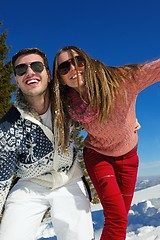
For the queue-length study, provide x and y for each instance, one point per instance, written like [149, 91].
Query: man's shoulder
[10, 117]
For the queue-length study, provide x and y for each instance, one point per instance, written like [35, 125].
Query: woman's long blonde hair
[103, 83]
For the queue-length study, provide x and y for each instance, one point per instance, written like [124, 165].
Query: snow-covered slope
[146, 194]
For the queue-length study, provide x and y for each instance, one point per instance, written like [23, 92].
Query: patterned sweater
[28, 149]
[117, 136]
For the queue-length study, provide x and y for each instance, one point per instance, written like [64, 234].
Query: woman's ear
[63, 83]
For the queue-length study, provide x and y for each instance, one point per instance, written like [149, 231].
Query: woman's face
[67, 70]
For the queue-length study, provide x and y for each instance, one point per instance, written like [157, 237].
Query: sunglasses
[65, 67]
[21, 69]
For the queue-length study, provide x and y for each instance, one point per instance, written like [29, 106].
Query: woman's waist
[111, 148]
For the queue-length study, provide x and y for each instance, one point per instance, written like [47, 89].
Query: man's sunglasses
[21, 69]
[64, 67]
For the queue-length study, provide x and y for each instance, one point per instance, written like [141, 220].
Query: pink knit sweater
[117, 136]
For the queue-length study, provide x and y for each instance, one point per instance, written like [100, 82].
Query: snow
[145, 194]
[144, 217]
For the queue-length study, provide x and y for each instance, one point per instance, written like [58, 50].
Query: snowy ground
[144, 218]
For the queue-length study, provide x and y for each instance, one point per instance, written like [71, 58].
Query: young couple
[100, 97]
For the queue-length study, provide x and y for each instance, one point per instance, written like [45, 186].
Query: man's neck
[39, 103]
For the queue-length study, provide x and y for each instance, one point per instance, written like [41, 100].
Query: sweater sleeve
[7, 166]
[148, 75]
[4, 190]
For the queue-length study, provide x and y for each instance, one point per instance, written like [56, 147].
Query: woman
[103, 98]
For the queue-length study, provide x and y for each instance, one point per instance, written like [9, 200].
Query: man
[47, 178]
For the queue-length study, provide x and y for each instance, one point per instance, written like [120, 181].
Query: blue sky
[115, 32]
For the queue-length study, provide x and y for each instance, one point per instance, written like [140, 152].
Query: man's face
[32, 82]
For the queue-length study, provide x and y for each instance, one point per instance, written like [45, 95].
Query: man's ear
[49, 75]
[16, 81]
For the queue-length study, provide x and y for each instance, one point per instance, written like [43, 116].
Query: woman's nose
[72, 65]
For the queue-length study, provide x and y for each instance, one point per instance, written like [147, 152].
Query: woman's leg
[24, 210]
[126, 174]
[71, 213]
[102, 174]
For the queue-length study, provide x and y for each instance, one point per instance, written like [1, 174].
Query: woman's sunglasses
[21, 69]
[64, 67]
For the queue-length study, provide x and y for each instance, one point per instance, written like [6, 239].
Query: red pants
[114, 179]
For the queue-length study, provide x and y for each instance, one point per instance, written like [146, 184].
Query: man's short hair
[27, 51]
